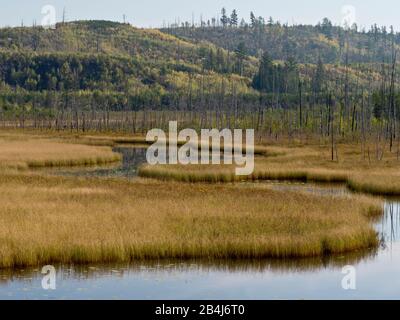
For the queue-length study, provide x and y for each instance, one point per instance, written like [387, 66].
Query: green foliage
[275, 78]
[305, 43]
[96, 63]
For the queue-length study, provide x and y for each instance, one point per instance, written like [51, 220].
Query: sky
[155, 13]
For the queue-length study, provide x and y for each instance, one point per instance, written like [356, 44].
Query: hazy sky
[153, 13]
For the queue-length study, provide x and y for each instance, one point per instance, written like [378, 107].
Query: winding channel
[377, 271]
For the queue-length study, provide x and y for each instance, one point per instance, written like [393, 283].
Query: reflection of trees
[388, 227]
[390, 224]
[173, 267]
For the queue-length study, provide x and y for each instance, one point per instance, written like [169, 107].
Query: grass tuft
[305, 164]
[70, 220]
[34, 153]
[50, 219]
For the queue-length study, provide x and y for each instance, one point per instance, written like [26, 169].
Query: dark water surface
[132, 158]
[377, 271]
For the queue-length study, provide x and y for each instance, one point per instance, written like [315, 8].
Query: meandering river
[377, 271]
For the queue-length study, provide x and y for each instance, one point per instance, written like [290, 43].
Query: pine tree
[253, 20]
[234, 19]
[241, 54]
[224, 18]
[264, 79]
[291, 75]
[326, 28]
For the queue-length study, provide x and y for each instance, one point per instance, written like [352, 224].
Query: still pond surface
[377, 271]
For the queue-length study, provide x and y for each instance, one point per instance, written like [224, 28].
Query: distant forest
[291, 78]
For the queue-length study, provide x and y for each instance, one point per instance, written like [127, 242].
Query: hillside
[365, 55]
[129, 67]
[304, 43]
[107, 66]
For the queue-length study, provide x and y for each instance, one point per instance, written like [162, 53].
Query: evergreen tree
[234, 19]
[264, 79]
[326, 28]
[291, 75]
[241, 55]
[224, 18]
[253, 20]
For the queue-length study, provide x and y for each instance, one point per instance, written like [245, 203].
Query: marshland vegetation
[307, 163]
[324, 115]
[70, 220]
[53, 219]
[25, 152]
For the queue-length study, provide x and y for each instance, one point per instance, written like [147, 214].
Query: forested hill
[304, 43]
[103, 65]
[105, 55]
[113, 58]
[116, 39]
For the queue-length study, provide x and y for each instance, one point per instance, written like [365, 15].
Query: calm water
[132, 158]
[377, 271]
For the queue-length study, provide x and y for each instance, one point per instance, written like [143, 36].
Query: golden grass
[305, 163]
[72, 220]
[22, 153]
[47, 219]
[376, 183]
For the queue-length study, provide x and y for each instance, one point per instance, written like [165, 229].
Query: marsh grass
[72, 220]
[33, 153]
[48, 219]
[306, 164]
[375, 183]
[225, 173]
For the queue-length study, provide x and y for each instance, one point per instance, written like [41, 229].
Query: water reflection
[173, 267]
[132, 159]
[315, 278]
[164, 280]
[389, 226]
